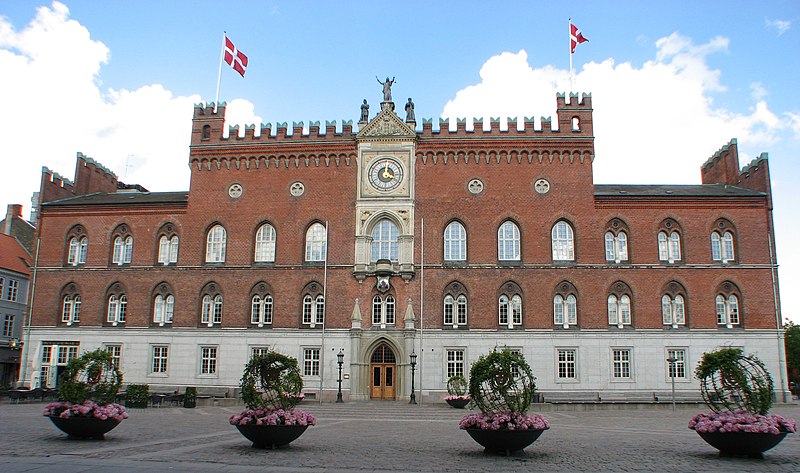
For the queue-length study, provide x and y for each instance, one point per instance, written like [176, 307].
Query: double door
[383, 370]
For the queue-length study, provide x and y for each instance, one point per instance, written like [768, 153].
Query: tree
[792, 343]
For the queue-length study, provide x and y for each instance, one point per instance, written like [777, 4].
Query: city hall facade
[387, 241]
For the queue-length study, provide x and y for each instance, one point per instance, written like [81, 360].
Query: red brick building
[387, 241]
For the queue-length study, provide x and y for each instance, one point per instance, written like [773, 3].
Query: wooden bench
[570, 397]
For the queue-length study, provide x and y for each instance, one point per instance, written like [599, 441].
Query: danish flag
[235, 58]
[575, 36]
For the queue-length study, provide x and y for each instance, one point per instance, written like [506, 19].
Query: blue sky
[672, 81]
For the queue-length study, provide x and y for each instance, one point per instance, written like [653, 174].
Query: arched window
[123, 249]
[316, 243]
[455, 305]
[313, 310]
[211, 306]
[77, 250]
[727, 305]
[510, 306]
[563, 242]
[616, 247]
[565, 305]
[385, 237]
[508, 242]
[163, 309]
[673, 305]
[619, 305]
[206, 132]
[383, 310]
[168, 249]
[265, 244]
[455, 242]
[722, 246]
[117, 304]
[216, 243]
[261, 310]
[669, 241]
[71, 309]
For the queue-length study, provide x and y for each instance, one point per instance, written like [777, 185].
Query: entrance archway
[383, 370]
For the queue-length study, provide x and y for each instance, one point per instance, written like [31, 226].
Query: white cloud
[638, 111]
[53, 67]
[782, 26]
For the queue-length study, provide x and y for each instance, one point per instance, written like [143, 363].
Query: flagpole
[219, 73]
[324, 314]
[569, 46]
[421, 303]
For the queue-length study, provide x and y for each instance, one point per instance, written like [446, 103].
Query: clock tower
[384, 209]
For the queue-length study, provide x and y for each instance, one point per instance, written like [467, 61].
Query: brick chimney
[14, 211]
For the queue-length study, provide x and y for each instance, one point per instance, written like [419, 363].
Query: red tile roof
[13, 257]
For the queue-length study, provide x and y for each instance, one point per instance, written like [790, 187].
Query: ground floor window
[566, 364]
[208, 360]
[116, 353]
[621, 363]
[311, 362]
[159, 359]
[676, 363]
[258, 351]
[455, 363]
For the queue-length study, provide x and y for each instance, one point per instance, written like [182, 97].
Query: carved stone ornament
[387, 123]
[297, 189]
[235, 191]
[541, 186]
[383, 284]
[475, 186]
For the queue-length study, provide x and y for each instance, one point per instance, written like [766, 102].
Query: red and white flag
[235, 58]
[575, 37]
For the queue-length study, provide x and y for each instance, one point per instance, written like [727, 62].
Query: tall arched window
[261, 310]
[216, 243]
[211, 305]
[455, 305]
[616, 247]
[508, 248]
[265, 244]
[455, 242]
[563, 242]
[385, 237]
[316, 243]
[313, 310]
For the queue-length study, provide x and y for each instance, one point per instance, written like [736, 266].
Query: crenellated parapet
[723, 168]
[90, 177]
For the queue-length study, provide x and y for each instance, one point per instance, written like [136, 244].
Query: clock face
[385, 174]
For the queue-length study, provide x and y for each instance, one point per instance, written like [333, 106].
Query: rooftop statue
[387, 88]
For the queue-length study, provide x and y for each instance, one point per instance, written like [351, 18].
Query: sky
[671, 82]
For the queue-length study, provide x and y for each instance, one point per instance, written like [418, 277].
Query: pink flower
[741, 421]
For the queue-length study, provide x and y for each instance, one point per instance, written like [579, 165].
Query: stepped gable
[387, 125]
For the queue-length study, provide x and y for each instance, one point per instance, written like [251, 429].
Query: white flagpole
[569, 45]
[324, 314]
[421, 302]
[219, 73]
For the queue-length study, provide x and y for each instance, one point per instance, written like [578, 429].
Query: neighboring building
[15, 263]
[390, 241]
[19, 228]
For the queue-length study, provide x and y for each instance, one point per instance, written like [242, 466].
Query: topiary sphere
[501, 381]
[92, 376]
[457, 385]
[730, 381]
[271, 381]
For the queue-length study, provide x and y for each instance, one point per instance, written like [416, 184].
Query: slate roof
[122, 198]
[696, 190]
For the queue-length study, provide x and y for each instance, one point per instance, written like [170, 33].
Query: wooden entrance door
[383, 368]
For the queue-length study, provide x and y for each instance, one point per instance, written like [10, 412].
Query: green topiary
[92, 376]
[271, 381]
[501, 381]
[137, 395]
[729, 380]
[190, 397]
[457, 385]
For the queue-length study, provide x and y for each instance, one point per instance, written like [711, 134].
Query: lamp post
[340, 362]
[671, 360]
[413, 368]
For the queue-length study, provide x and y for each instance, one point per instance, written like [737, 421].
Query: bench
[570, 397]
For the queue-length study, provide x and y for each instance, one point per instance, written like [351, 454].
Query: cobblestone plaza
[378, 436]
